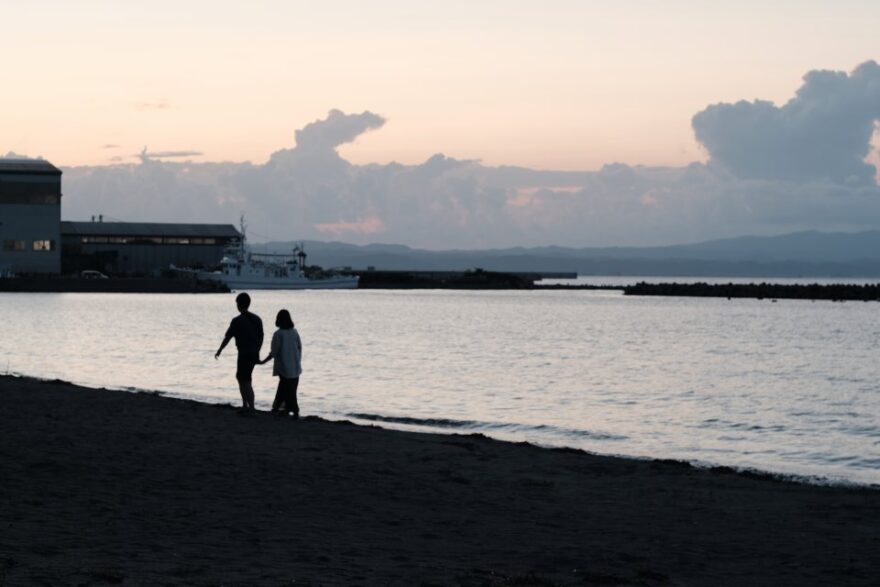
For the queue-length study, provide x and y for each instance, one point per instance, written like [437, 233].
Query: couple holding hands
[286, 350]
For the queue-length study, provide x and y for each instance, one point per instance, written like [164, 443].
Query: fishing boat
[241, 268]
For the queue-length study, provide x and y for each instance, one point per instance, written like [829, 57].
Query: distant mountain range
[801, 254]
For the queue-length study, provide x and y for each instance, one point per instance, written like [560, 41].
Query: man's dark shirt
[247, 330]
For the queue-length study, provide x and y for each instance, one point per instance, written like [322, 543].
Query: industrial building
[34, 240]
[140, 248]
[30, 217]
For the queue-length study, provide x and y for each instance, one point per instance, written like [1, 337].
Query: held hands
[263, 362]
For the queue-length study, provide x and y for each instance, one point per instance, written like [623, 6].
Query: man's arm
[225, 342]
[274, 348]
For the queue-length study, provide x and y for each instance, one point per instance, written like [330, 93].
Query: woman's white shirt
[287, 351]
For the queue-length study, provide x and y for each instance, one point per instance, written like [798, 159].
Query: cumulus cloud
[772, 170]
[335, 130]
[823, 133]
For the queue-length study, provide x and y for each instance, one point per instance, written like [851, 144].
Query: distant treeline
[815, 291]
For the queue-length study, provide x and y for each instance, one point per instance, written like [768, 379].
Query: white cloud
[772, 170]
[335, 130]
[824, 132]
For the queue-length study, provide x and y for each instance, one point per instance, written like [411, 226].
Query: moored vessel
[241, 268]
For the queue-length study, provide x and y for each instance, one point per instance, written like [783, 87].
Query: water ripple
[485, 426]
[735, 382]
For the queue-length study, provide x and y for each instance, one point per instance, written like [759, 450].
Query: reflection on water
[790, 387]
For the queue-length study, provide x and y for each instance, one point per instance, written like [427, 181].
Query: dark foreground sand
[102, 487]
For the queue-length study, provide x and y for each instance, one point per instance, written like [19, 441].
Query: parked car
[92, 274]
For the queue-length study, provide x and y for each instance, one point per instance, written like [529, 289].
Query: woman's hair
[283, 320]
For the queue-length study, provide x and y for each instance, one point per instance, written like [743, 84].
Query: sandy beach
[105, 487]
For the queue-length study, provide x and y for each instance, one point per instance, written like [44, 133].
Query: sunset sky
[454, 124]
[558, 84]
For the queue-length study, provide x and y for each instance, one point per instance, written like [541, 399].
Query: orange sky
[559, 84]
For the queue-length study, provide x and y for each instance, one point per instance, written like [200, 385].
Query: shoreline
[106, 487]
[134, 285]
[378, 422]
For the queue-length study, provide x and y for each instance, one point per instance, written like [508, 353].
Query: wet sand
[104, 487]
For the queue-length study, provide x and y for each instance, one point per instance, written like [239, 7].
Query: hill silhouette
[800, 254]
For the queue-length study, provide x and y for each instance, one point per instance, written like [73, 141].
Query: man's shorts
[245, 368]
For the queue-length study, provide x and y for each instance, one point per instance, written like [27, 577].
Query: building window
[14, 245]
[36, 199]
[147, 240]
[44, 245]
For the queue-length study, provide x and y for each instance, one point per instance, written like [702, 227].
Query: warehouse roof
[32, 166]
[148, 229]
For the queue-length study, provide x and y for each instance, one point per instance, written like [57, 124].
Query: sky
[569, 92]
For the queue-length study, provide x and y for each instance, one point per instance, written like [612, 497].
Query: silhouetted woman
[286, 349]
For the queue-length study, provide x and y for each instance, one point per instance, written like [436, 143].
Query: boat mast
[301, 255]
[243, 234]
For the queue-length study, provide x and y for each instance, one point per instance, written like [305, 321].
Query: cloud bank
[771, 170]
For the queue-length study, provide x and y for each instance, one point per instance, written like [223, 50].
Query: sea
[789, 387]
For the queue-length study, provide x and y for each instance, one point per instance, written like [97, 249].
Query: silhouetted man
[247, 330]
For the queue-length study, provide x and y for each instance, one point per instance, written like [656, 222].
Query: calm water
[789, 387]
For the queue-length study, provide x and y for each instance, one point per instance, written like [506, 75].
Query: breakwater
[474, 279]
[833, 292]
